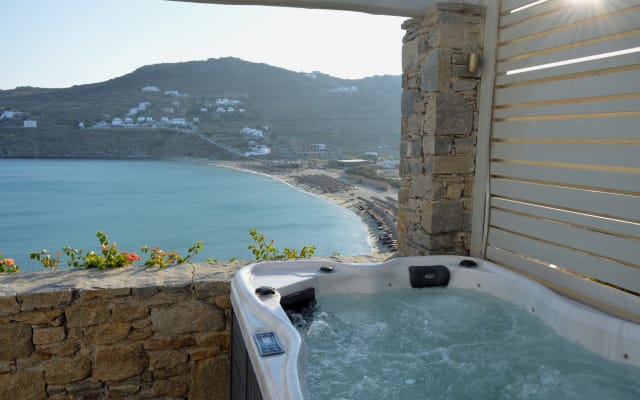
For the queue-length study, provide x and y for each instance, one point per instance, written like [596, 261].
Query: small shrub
[110, 256]
[46, 259]
[162, 258]
[264, 250]
[8, 265]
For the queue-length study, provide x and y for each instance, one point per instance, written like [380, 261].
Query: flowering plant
[8, 264]
[108, 257]
[162, 258]
[46, 259]
[264, 250]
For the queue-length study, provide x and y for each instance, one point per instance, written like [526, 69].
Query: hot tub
[269, 355]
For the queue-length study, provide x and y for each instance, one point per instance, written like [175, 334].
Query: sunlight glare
[575, 60]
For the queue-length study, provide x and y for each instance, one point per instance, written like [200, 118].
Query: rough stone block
[221, 340]
[8, 306]
[411, 81]
[38, 317]
[67, 347]
[208, 289]
[172, 342]
[439, 191]
[136, 335]
[408, 98]
[201, 353]
[466, 221]
[15, 341]
[144, 292]
[458, 58]
[164, 373]
[421, 186]
[104, 293]
[173, 387]
[62, 370]
[141, 330]
[48, 335]
[403, 194]
[409, 56]
[27, 363]
[411, 166]
[29, 385]
[434, 73]
[419, 106]
[166, 359]
[107, 333]
[189, 316]
[126, 312]
[168, 296]
[414, 126]
[87, 314]
[462, 85]
[86, 385]
[410, 148]
[210, 379]
[453, 115]
[454, 191]
[126, 388]
[436, 145]
[30, 301]
[461, 71]
[451, 34]
[118, 362]
[465, 145]
[442, 216]
[223, 301]
[459, 164]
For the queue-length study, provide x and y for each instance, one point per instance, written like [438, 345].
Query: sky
[60, 43]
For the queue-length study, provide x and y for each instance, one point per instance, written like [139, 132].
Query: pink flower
[133, 257]
[9, 262]
[104, 247]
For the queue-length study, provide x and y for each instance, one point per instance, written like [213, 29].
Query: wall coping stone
[68, 280]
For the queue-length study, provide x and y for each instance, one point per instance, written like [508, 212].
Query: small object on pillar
[473, 62]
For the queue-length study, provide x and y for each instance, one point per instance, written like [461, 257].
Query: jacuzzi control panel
[268, 344]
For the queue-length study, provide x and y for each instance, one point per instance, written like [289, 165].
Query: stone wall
[439, 127]
[135, 333]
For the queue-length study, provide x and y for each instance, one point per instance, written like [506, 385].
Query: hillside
[211, 100]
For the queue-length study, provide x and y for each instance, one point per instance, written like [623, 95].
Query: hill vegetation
[199, 108]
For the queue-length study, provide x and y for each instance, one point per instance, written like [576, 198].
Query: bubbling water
[448, 344]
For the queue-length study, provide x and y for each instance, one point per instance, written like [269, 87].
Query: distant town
[160, 109]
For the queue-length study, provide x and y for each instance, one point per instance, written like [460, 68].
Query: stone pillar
[438, 129]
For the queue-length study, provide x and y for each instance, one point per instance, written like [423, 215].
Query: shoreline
[358, 199]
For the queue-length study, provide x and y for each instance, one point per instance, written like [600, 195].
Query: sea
[51, 203]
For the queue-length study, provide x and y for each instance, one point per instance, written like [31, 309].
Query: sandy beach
[377, 208]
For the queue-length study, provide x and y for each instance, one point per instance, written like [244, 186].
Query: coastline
[358, 199]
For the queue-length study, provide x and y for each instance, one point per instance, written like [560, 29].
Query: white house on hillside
[254, 133]
[30, 123]
[150, 89]
[10, 114]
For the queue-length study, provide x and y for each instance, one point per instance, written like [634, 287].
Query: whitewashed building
[260, 150]
[30, 123]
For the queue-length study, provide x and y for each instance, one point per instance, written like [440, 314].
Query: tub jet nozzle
[265, 291]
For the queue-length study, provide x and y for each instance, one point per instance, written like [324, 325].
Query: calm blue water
[53, 203]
